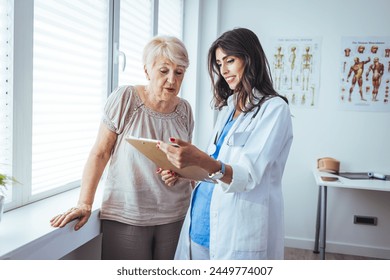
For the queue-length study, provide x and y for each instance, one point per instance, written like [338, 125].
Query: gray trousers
[126, 242]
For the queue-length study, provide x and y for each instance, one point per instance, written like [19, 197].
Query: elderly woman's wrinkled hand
[169, 177]
[82, 212]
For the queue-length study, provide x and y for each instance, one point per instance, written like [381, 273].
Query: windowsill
[26, 233]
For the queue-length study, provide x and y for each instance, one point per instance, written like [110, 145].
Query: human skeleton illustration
[307, 60]
[278, 66]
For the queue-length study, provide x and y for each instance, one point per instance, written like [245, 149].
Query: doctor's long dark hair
[242, 43]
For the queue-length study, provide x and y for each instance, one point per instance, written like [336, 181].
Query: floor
[301, 254]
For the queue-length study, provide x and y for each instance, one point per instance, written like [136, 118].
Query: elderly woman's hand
[81, 212]
[169, 177]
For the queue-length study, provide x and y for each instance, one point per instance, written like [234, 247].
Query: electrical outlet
[365, 220]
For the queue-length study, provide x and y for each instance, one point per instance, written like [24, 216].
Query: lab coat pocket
[251, 230]
[239, 138]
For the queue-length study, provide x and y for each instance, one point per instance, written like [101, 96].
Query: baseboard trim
[340, 248]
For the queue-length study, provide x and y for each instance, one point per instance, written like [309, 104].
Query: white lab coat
[246, 216]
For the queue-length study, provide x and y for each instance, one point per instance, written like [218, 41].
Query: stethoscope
[212, 148]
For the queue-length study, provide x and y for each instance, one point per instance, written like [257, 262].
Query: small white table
[341, 182]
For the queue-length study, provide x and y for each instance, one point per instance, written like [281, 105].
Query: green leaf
[4, 180]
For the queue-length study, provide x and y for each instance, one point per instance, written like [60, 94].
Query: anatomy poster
[365, 73]
[295, 67]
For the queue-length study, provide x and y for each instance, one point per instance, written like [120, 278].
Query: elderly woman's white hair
[169, 47]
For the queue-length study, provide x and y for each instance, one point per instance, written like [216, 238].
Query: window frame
[23, 29]
[7, 96]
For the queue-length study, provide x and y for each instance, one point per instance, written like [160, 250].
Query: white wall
[360, 140]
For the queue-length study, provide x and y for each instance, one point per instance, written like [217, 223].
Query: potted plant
[4, 181]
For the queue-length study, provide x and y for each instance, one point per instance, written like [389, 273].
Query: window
[69, 87]
[139, 21]
[135, 30]
[6, 88]
[66, 56]
[170, 18]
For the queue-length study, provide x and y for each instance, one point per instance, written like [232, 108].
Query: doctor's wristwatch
[219, 174]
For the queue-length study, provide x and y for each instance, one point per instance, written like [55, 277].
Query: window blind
[170, 18]
[135, 30]
[70, 71]
[6, 20]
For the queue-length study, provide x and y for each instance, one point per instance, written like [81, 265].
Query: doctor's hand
[181, 153]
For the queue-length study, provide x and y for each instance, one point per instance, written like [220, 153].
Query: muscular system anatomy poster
[365, 73]
[295, 67]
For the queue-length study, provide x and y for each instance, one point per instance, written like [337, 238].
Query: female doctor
[239, 215]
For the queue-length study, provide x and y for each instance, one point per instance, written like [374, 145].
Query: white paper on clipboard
[148, 148]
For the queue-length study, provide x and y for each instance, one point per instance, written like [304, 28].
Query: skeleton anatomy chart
[295, 67]
[365, 73]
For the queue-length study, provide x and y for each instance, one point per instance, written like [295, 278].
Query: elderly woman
[141, 216]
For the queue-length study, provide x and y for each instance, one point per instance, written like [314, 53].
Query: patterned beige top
[134, 194]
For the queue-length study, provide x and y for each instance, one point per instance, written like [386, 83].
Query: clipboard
[148, 148]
